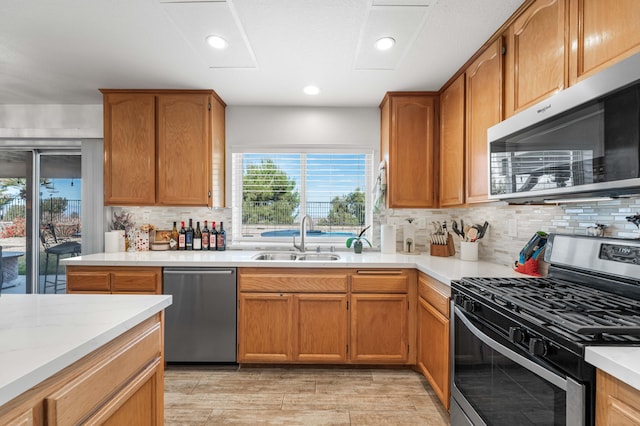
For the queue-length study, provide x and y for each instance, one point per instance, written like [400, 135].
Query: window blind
[273, 191]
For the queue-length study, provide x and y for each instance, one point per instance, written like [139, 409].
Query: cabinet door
[536, 56]
[264, 327]
[140, 402]
[617, 404]
[320, 328]
[184, 149]
[452, 159]
[218, 133]
[410, 158]
[129, 149]
[379, 331]
[136, 280]
[433, 349]
[603, 32]
[484, 109]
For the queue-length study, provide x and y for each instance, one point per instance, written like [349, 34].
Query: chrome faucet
[303, 231]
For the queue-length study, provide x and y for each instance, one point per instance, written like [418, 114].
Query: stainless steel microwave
[583, 141]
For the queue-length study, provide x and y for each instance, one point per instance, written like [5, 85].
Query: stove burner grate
[569, 306]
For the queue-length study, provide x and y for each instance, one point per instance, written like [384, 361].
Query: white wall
[286, 126]
[51, 121]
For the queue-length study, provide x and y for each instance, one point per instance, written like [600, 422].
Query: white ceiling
[62, 51]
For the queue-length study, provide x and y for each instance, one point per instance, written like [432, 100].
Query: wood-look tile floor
[299, 396]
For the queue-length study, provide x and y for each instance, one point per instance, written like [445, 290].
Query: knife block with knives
[442, 249]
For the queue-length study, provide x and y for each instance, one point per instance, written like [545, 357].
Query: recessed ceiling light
[217, 42]
[311, 90]
[385, 43]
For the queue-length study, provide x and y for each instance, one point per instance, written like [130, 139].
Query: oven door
[496, 383]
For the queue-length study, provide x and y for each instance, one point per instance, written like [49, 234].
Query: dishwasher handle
[194, 271]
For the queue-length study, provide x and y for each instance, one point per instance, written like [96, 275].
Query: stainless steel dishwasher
[200, 325]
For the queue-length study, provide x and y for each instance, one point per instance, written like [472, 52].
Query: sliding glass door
[39, 223]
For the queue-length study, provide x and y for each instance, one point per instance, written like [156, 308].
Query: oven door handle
[558, 381]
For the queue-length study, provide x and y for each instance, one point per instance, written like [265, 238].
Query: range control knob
[517, 334]
[537, 347]
[468, 305]
[458, 299]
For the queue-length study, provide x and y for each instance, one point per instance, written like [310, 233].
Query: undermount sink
[318, 256]
[286, 256]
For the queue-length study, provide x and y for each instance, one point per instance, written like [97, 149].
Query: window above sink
[272, 191]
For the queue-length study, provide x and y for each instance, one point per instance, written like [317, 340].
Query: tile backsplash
[500, 244]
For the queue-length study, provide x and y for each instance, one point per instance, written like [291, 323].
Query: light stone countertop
[616, 361]
[621, 363]
[41, 335]
[444, 269]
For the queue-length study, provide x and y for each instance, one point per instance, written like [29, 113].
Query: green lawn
[22, 264]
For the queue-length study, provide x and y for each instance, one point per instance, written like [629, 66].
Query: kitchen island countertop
[41, 335]
[444, 269]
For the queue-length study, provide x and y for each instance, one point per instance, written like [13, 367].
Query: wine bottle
[213, 241]
[205, 236]
[189, 236]
[173, 239]
[182, 239]
[222, 238]
[197, 238]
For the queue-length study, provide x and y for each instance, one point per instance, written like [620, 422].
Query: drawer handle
[376, 272]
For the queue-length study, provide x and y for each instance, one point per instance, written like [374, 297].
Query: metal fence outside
[52, 210]
[261, 217]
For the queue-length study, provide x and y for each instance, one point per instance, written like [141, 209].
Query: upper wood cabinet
[484, 109]
[603, 32]
[158, 147]
[452, 158]
[407, 126]
[536, 55]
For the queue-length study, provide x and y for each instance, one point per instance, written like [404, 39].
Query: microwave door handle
[517, 358]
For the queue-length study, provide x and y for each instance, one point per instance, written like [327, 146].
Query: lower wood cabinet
[617, 404]
[114, 279]
[379, 328]
[121, 383]
[290, 316]
[315, 316]
[319, 332]
[382, 316]
[433, 335]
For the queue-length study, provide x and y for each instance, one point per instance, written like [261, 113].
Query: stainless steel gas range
[518, 343]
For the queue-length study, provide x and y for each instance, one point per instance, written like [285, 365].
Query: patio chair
[54, 246]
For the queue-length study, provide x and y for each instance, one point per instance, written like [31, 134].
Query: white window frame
[311, 242]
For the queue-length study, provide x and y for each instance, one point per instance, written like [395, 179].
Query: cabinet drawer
[138, 280]
[371, 281]
[23, 419]
[435, 293]
[283, 281]
[88, 392]
[87, 279]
